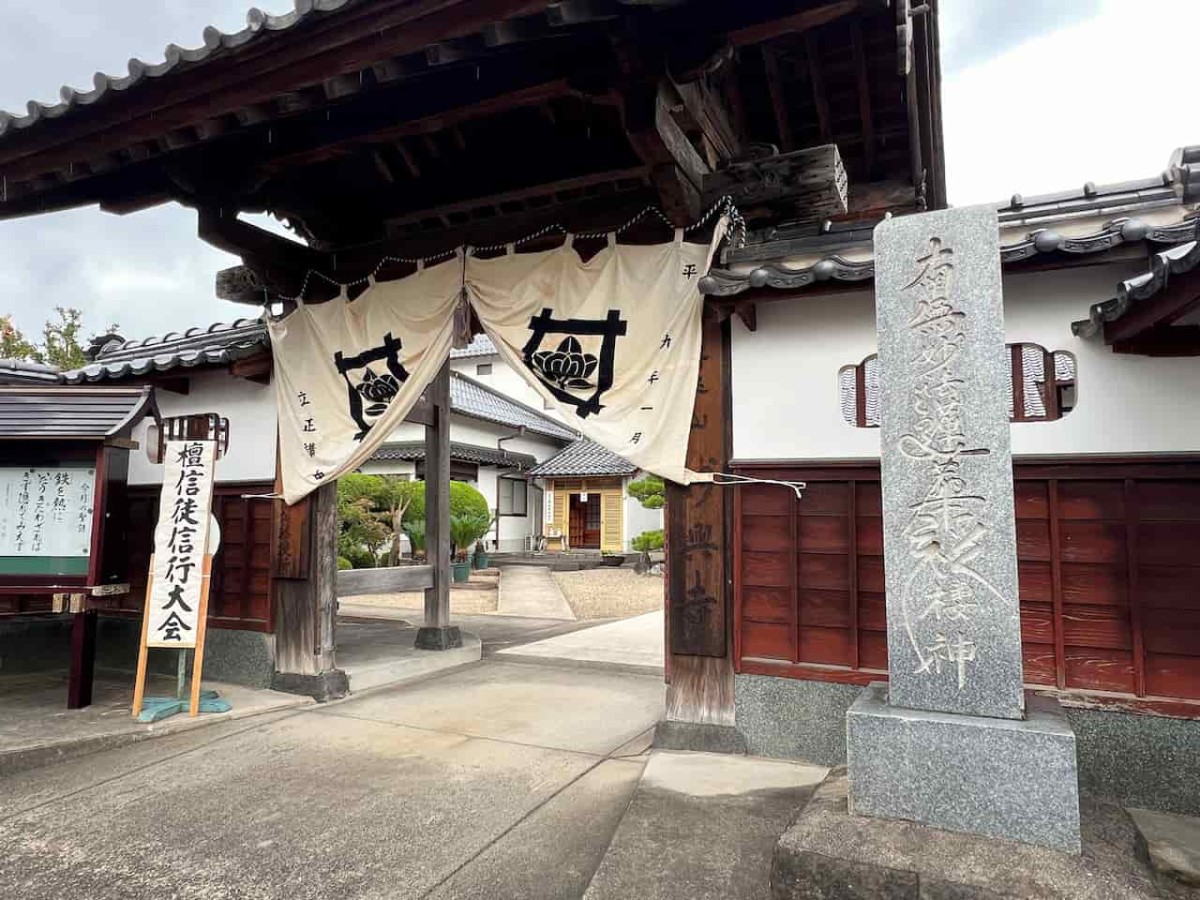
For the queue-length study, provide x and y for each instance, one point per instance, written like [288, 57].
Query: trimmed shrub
[648, 540]
[464, 501]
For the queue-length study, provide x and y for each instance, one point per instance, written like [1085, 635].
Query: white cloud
[1103, 100]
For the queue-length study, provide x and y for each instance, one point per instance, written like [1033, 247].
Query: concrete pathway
[36, 728]
[378, 652]
[500, 780]
[703, 826]
[530, 591]
[633, 644]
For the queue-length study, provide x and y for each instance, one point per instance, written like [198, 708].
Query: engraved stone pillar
[947, 741]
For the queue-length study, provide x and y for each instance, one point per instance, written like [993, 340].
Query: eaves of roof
[216, 43]
[584, 457]
[470, 398]
[54, 412]
[217, 344]
[411, 451]
[1092, 220]
[1174, 262]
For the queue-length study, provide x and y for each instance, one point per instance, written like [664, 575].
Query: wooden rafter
[799, 22]
[707, 109]
[864, 95]
[816, 78]
[1179, 297]
[779, 106]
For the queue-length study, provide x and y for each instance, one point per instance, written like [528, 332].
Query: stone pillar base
[705, 738]
[1006, 778]
[446, 638]
[331, 685]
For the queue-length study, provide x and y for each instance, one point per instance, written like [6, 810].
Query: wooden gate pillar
[305, 597]
[700, 712]
[438, 633]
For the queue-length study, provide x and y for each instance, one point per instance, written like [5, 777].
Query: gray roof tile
[217, 344]
[488, 456]
[470, 398]
[481, 345]
[62, 413]
[584, 457]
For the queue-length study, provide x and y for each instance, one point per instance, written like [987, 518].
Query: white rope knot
[735, 480]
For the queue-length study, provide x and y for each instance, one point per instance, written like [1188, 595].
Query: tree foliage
[648, 540]
[370, 511]
[649, 491]
[464, 501]
[60, 346]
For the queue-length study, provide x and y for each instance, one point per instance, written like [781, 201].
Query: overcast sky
[1038, 95]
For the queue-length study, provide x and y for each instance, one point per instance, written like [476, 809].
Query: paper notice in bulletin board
[46, 519]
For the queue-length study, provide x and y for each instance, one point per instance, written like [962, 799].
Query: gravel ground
[471, 601]
[610, 593]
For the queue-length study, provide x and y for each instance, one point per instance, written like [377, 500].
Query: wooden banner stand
[156, 708]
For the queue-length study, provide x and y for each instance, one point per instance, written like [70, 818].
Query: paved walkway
[530, 591]
[502, 780]
[634, 644]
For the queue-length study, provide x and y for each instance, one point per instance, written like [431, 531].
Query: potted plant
[415, 529]
[481, 556]
[612, 560]
[465, 530]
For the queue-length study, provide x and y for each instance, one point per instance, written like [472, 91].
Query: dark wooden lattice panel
[240, 594]
[1108, 570]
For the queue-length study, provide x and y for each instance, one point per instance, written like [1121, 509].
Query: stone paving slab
[828, 854]
[553, 853]
[314, 807]
[538, 705]
[703, 826]
[1170, 842]
[634, 644]
[530, 591]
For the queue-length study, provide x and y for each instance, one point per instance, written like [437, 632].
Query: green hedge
[464, 501]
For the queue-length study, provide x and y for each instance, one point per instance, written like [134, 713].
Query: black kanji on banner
[378, 390]
[570, 373]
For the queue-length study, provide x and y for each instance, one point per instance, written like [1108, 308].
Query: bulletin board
[46, 516]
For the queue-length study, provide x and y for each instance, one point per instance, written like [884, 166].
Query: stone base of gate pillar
[1005, 778]
[445, 638]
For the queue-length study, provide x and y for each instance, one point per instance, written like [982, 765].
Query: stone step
[702, 826]
[1170, 843]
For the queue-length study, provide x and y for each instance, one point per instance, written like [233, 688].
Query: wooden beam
[816, 78]
[388, 580]
[779, 107]
[1181, 295]
[255, 368]
[804, 184]
[799, 22]
[708, 111]
[1163, 340]
[223, 230]
[864, 96]
[676, 169]
[539, 190]
[422, 126]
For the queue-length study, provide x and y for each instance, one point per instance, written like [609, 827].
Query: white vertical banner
[180, 542]
[549, 507]
[613, 342]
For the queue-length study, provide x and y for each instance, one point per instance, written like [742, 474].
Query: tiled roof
[470, 398]
[215, 44]
[21, 371]
[60, 413]
[1085, 221]
[215, 345]
[584, 457]
[481, 345]
[488, 456]
[1175, 262]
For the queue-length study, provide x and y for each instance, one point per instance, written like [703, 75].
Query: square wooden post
[438, 633]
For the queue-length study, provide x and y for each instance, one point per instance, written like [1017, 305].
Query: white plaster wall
[785, 395]
[250, 408]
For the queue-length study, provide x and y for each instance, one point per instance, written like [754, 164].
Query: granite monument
[947, 740]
